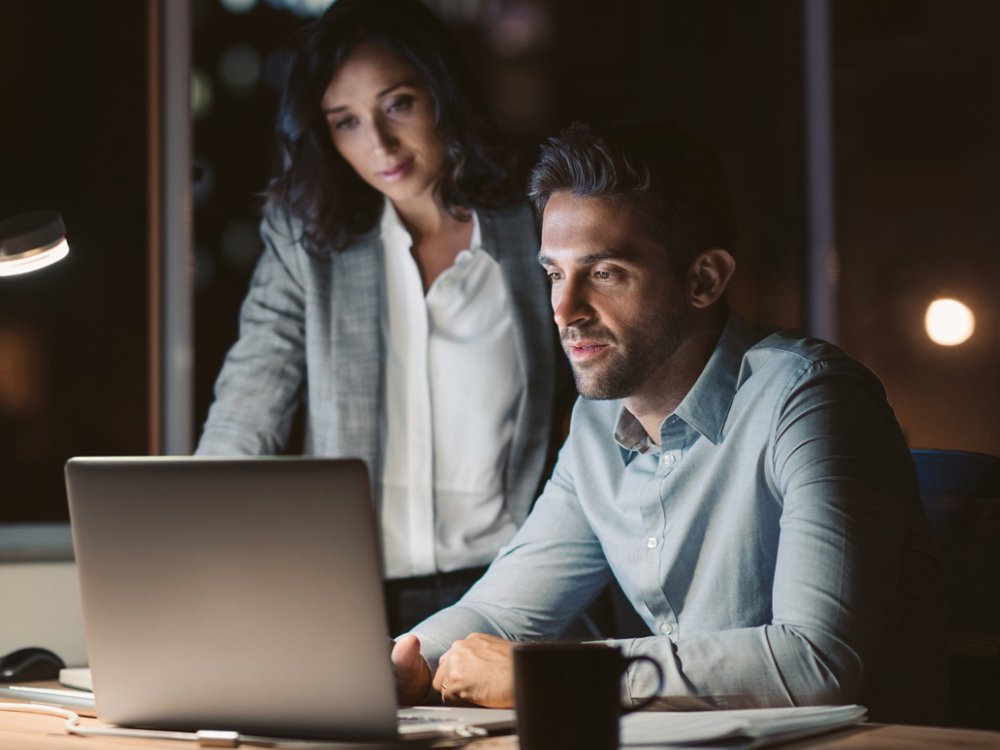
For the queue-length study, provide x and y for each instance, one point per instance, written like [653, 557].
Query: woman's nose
[384, 140]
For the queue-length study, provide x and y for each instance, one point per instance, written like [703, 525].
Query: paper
[76, 677]
[75, 699]
[758, 727]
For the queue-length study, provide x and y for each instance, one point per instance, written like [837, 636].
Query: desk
[36, 732]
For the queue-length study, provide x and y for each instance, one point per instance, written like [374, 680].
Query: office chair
[961, 494]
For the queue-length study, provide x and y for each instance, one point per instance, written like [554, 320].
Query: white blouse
[451, 391]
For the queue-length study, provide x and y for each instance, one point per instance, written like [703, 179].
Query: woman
[398, 300]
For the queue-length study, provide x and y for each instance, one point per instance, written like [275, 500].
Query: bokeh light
[238, 6]
[949, 322]
[202, 95]
[240, 244]
[240, 68]
[301, 7]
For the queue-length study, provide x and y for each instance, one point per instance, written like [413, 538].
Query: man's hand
[478, 669]
[413, 676]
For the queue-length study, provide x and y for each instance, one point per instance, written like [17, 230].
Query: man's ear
[709, 276]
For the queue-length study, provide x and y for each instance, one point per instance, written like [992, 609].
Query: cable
[203, 737]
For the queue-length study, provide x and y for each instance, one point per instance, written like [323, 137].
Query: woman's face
[381, 119]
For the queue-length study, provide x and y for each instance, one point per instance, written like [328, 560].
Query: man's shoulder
[796, 355]
[790, 347]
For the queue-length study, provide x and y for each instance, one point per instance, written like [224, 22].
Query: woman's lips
[397, 171]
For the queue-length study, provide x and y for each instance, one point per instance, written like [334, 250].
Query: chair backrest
[961, 494]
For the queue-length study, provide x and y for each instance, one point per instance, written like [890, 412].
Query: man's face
[621, 311]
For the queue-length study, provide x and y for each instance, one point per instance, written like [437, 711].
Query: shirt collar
[391, 228]
[706, 406]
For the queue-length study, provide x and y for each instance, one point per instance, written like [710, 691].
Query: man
[751, 491]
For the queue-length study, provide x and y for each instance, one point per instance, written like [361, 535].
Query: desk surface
[37, 732]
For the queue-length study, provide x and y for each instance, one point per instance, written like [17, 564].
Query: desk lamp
[31, 241]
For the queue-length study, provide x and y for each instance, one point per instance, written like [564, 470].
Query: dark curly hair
[674, 178]
[313, 183]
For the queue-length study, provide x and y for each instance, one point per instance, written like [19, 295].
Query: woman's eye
[345, 123]
[401, 104]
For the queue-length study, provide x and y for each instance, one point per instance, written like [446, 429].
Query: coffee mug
[568, 695]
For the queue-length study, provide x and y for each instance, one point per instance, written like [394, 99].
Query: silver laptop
[238, 594]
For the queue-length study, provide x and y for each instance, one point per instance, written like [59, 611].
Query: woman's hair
[314, 184]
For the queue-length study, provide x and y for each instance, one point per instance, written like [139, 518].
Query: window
[73, 337]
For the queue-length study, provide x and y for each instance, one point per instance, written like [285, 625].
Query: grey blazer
[310, 335]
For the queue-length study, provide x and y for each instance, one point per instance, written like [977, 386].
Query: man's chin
[595, 389]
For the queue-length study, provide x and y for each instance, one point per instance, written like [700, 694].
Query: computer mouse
[28, 664]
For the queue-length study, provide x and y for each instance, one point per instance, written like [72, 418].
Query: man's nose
[570, 304]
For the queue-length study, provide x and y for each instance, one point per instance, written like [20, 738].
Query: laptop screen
[239, 593]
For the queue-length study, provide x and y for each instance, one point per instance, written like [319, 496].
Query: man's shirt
[774, 541]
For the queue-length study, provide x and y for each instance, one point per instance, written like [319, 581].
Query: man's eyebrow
[384, 92]
[588, 259]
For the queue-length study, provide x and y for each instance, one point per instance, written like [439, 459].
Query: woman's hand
[478, 669]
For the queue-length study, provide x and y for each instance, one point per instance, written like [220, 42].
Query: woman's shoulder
[517, 216]
[286, 232]
[278, 224]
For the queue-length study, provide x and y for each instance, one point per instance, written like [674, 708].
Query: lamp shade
[31, 241]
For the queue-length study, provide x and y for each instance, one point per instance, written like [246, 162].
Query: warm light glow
[13, 265]
[949, 322]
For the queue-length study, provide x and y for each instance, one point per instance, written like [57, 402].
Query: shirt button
[652, 542]
[668, 459]
[666, 628]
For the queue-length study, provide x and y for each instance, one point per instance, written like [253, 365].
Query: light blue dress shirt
[774, 541]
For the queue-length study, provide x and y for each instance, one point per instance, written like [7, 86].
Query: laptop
[240, 594]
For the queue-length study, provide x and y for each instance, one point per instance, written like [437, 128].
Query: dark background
[917, 124]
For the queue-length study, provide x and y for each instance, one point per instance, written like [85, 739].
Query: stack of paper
[749, 728]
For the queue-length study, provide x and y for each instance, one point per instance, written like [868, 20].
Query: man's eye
[553, 275]
[603, 275]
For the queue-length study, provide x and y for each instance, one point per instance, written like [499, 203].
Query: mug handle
[660, 682]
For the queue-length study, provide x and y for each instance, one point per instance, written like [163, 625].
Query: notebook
[239, 594]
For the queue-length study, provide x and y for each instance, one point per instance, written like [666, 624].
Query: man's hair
[314, 184]
[673, 178]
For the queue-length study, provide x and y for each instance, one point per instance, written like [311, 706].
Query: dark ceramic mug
[568, 695]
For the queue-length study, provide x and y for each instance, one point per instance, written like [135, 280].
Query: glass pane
[918, 160]
[73, 341]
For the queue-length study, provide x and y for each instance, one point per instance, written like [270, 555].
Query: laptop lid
[241, 594]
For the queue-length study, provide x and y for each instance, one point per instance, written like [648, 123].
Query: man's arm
[838, 464]
[841, 469]
[548, 574]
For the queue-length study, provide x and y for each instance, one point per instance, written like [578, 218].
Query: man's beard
[624, 370]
